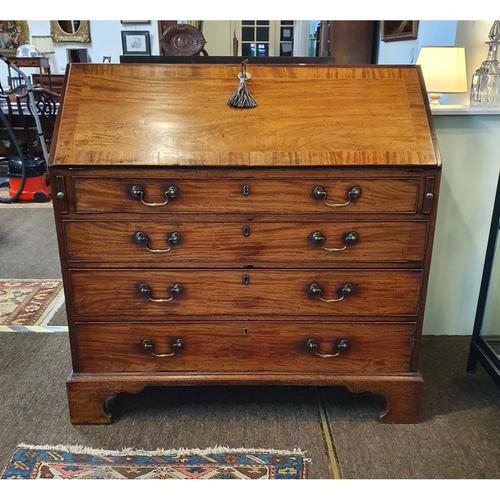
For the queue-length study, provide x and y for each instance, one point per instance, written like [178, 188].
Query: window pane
[286, 33]
[262, 49]
[248, 49]
[247, 34]
[286, 49]
[251, 23]
[263, 34]
[287, 23]
[263, 23]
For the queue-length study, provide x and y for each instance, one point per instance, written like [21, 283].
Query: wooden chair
[15, 106]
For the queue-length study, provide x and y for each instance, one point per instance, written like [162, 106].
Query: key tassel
[242, 98]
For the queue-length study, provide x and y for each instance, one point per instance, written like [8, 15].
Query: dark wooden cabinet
[285, 244]
[347, 42]
[56, 82]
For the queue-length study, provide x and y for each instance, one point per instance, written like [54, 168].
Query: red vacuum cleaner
[36, 180]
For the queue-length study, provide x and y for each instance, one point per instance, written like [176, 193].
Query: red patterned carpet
[29, 302]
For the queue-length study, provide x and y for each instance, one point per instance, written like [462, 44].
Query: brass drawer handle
[339, 346]
[315, 291]
[137, 192]
[141, 238]
[149, 347]
[319, 193]
[145, 291]
[349, 238]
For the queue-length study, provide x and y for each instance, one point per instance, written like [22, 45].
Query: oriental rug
[77, 462]
[27, 302]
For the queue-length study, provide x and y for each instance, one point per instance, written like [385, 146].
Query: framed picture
[12, 35]
[70, 31]
[394, 31]
[136, 43]
[135, 22]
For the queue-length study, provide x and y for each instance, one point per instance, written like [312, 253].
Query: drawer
[240, 195]
[215, 243]
[148, 293]
[238, 346]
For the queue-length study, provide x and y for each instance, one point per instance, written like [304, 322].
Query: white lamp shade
[43, 43]
[444, 69]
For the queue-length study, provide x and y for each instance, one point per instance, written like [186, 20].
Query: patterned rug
[29, 302]
[77, 462]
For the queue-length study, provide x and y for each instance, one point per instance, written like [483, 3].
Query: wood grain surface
[247, 243]
[114, 294]
[90, 394]
[170, 114]
[244, 346]
[244, 211]
[219, 194]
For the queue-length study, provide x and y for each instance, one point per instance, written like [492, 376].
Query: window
[255, 38]
[265, 38]
[286, 38]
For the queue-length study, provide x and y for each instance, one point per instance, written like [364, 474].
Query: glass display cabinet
[485, 345]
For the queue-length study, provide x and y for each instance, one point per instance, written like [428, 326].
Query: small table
[42, 63]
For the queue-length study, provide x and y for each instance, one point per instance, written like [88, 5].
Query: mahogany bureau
[285, 244]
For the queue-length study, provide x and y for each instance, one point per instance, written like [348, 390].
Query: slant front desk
[289, 243]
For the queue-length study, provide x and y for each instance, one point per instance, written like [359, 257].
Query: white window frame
[274, 37]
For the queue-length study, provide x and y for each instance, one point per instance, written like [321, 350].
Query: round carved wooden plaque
[182, 40]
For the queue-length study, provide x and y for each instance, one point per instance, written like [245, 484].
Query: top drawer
[241, 195]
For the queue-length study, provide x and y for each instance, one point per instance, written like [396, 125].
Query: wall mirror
[485, 345]
[490, 330]
[345, 42]
[70, 31]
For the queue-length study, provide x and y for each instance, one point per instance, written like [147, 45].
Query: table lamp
[444, 71]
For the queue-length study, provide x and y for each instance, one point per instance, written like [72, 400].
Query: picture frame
[136, 43]
[70, 31]
[135, 22]
[12, 35]
[395, 31]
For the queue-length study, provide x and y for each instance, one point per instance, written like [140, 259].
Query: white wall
[219, 37]
[469, 147]
[472, 35]
[301, 38]
[105, 41]
[469, 34]
[429, 33]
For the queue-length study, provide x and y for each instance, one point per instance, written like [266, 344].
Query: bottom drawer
[230, 346]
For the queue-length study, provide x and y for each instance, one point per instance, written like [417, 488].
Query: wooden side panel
[238, 347]
[115, 294]
[219, 194]
[217, 243]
